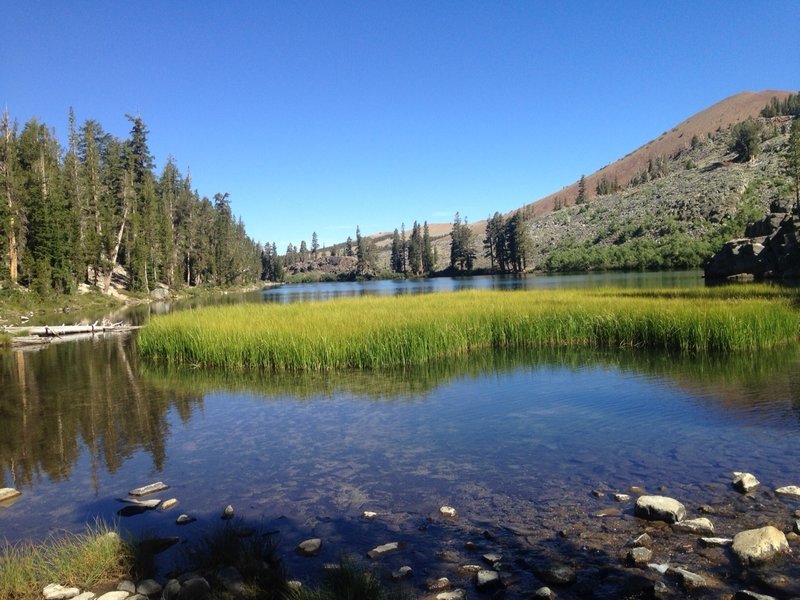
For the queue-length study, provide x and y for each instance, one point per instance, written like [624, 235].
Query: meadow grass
[385, 332]
[80, 560]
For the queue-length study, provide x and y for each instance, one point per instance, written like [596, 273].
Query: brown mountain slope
[721, 115]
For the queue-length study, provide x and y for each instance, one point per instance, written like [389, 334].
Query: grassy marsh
[383, 332]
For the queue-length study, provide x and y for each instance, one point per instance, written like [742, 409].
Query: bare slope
[717, 117]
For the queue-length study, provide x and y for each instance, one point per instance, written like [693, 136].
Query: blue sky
[320, 116]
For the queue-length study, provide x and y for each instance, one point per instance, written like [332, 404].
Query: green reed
[381, 332]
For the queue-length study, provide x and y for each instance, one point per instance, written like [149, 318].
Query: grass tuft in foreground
[384, 332]
[346, 581]
[81, 560]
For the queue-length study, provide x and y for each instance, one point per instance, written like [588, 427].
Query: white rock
[439, 585]
[149, 489]
[447, 511]
[454, 595]
[660, 567]
[369, 514]
[622, 497]
[789, 490]
[115, 595]
[85, 596]
[711, 542]
[758, 545]
[545, 593]
[747, 595]
[487, 578]
[310, 547]
[294, 585]
[701, 525]
[745, 482]
[227, 512]
[184, 519]
[383, 549]
[152, 503]
[55, 591]
[8, 493]
[470, 568]
[167, 504]
[402, 572]
[660, 508]
[492, 558]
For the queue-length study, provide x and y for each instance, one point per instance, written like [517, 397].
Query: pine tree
[314, 244]
[793, 162]
[581, 199]
[428, 255]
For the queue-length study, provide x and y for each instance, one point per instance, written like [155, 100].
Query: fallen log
[62, 330]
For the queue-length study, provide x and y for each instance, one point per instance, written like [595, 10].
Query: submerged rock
[748, 595]
[759, 545]
[558, 575]
[310, 547]
[700, 525]
[789, 490]
[383, 549]
[660, 508]
[438, 585]
[688, 579]
[544, 593]
[486, 578]
[454, 595]
[639, 555]
[227, 512]
[402, 572]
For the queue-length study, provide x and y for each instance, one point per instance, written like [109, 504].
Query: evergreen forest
[97, 212]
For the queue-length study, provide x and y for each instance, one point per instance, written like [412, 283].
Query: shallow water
[515, 441]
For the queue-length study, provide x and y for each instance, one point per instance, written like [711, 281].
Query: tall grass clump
[80, 560]
[383, 332]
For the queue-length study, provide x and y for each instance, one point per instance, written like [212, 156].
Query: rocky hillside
[680, 197]
[677, 219]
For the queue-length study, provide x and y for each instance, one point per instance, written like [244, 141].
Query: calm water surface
[516, 442]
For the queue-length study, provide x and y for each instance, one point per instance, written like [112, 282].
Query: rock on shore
[660, 508]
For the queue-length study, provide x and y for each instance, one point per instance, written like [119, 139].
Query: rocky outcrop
[769, 250]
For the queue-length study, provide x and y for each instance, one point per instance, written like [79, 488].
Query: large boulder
[771, 249]
[759, 545]
[659, 508]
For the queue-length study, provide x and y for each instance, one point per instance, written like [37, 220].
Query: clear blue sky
[318, 116]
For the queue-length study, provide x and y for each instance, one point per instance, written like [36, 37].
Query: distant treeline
[789, 106]
[73, 215]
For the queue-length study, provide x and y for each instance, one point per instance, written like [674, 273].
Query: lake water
[527, 446]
